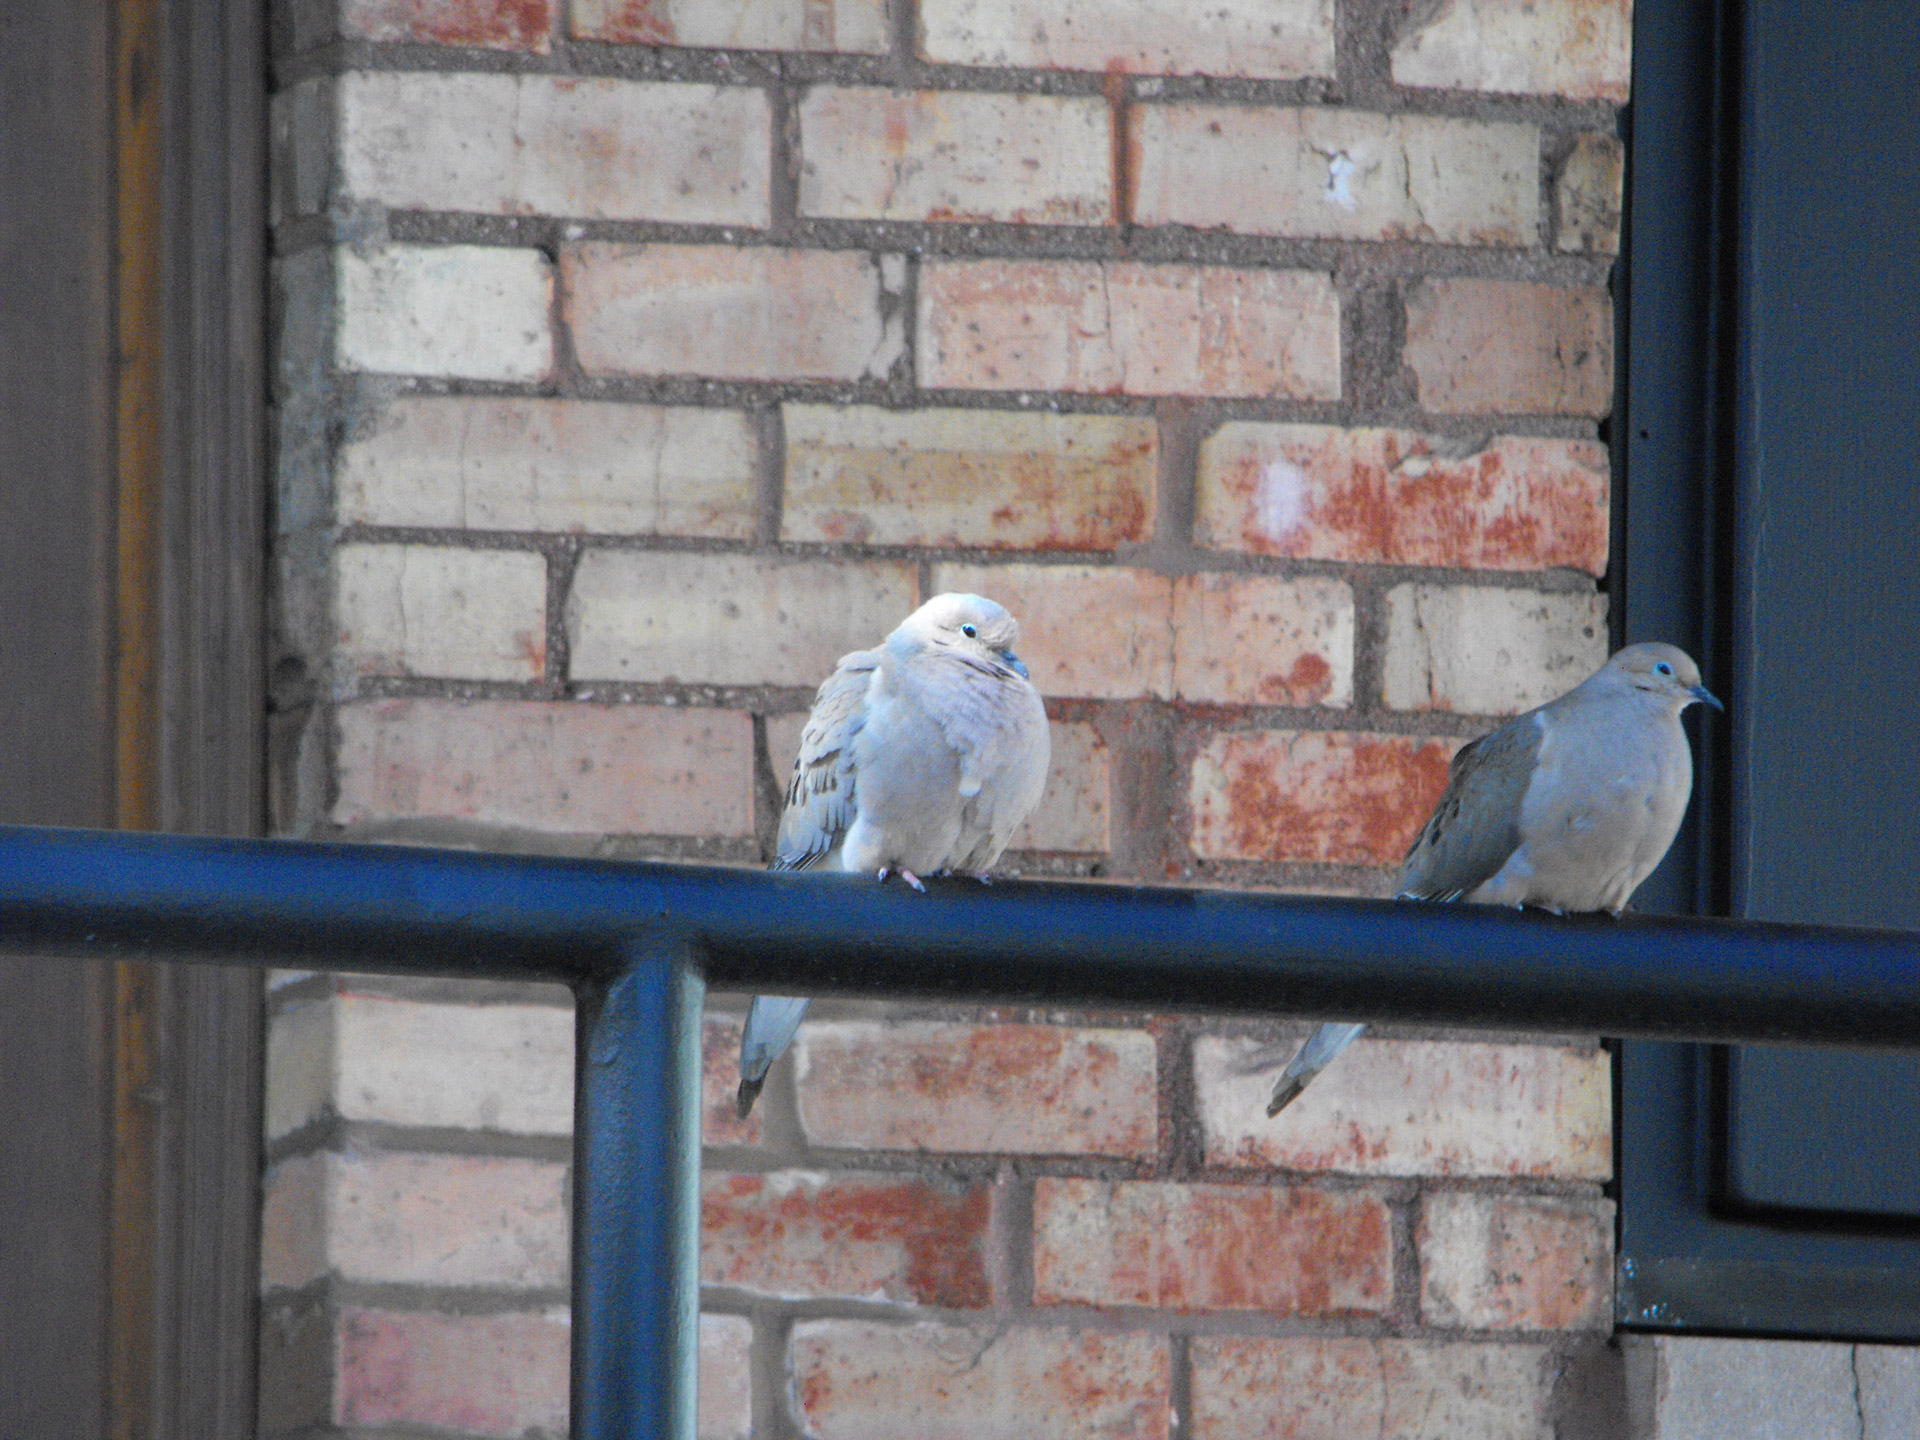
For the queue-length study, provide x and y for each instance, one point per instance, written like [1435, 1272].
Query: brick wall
[636, 360]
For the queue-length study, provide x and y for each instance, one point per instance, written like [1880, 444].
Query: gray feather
[1475, 827]
[821, 803]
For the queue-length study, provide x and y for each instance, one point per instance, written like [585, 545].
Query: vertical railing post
[636, 1201]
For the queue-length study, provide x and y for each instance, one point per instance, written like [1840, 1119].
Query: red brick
[484, 24]
[1210, 1247]
[1331, 797]
[732, 314]
[567, 767]
[955, 155]
[1102, 632]
[865, 1380]
[1256, 38]
[1515, 1262]
[859, 1237]
[1262, 640]
[1395, 497]
[1336, 174]
[483, 1374]
[1315, 1388]
[719, 1080]
[987, 478]
[1415, 1107]
[1482, 347]
[1119, 328]
[984, 1089]
[1578, 49]
[846, 25]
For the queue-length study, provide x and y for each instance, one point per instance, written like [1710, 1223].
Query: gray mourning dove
[920, 757]
[1567, 807]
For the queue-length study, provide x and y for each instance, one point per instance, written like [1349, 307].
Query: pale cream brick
[521, 463]
[1415, 1107]
[978, 1089]
[1482, 347]
[1312, 1387]
[728, 619]
[556, 145]
[877, 154]
[878, 1380]
[1073, 814]
[1579, 49]
[1482, 651]
[968, 477]
[463, 312]
[301, 123]
[565, 767]
[1093, 631]
[1117, 327]
[726, 1378]
[300, 1068]
[505, 1068]
[294, 1222]
[1336, 174]
[1261, 640]
[1268, 39]
[733, 314]
[431, 610]
[1700, 1387]
[1516, 1262]
[843, 25]
[1587, 196]
[456, 1220]
[1370, 496]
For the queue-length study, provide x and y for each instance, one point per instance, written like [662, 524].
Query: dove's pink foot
[906, 875]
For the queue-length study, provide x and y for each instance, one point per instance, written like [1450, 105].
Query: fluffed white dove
[919, 758]
[1567, 807]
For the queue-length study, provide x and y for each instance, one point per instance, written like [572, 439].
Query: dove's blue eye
[971, 632]
[1665, 669]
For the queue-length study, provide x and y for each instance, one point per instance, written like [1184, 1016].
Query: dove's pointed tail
[1320, 1051]
[749, 1092]
[770, 1025]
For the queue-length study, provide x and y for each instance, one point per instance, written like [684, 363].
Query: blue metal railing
[639, 942]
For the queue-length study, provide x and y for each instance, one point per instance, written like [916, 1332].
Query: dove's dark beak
[1013, 664]
[1707, 697]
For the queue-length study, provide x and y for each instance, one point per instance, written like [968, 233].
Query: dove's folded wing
[821, 798]
[1475, 828]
